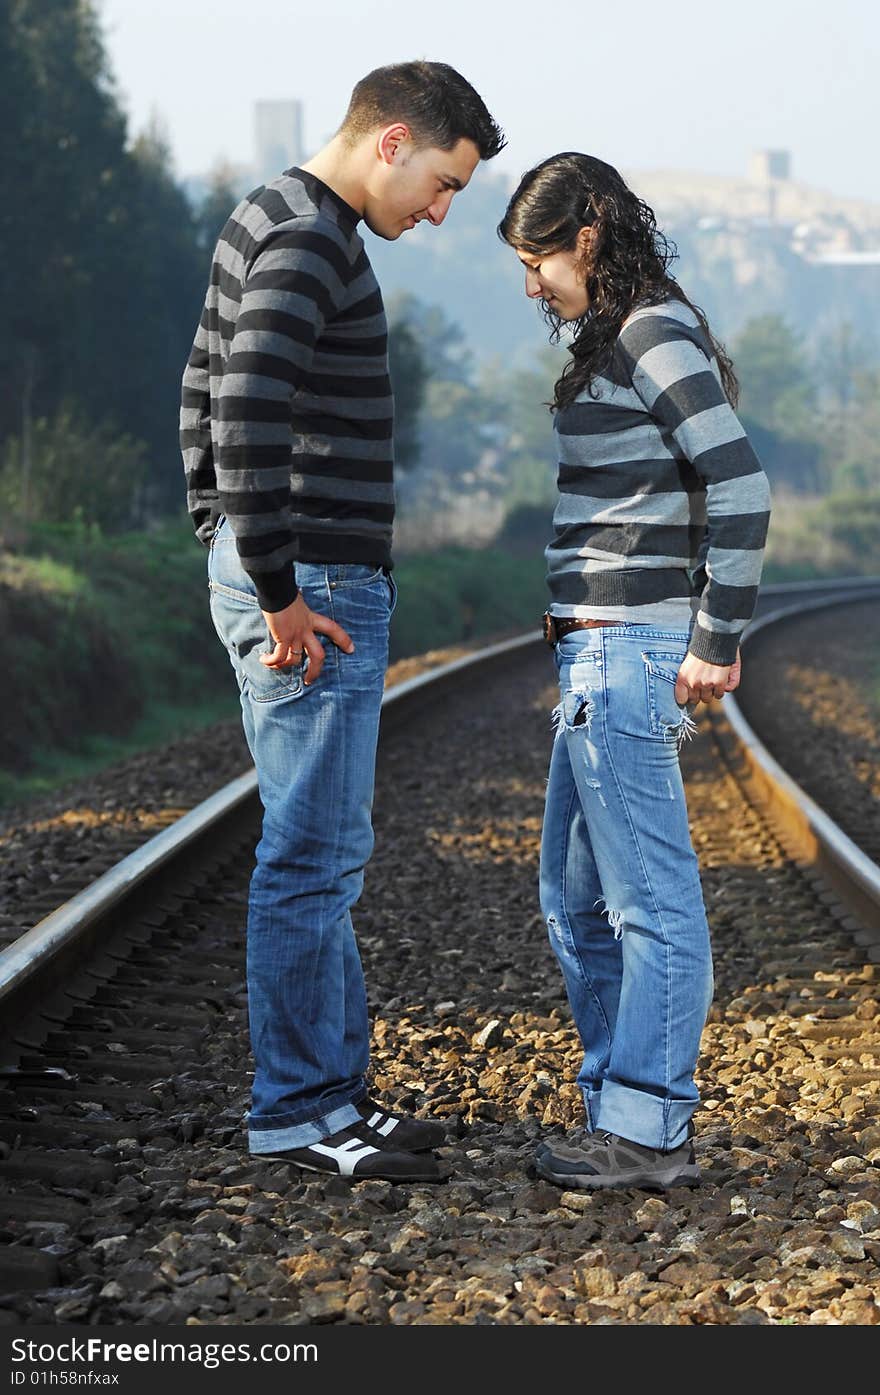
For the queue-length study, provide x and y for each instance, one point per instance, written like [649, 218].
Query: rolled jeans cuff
[644, 1118]
[592, 1099]
[302, 1135]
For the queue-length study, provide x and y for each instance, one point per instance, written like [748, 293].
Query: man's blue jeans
[314, 749]
[620, 884]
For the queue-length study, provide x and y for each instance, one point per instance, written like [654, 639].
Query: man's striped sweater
[663, 505]
[286, 413]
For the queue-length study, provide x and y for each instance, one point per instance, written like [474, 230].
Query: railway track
[820, 721]
[127, 1193]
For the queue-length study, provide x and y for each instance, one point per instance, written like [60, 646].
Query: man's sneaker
[606, 1160]
[358, 1152]
[400, 1130]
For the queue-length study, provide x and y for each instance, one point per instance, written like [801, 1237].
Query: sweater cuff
[275, 590]
[713, 647]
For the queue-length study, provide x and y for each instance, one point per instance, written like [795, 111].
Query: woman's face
[558, 279]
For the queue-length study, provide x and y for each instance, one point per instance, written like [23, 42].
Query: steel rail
[57, 932]
[808, 831]
[55, 935]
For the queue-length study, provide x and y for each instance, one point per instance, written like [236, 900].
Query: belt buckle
[548, 626]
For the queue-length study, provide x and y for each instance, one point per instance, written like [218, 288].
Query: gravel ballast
[470, 1025]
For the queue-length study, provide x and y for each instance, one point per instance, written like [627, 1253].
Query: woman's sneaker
[606, 1160]
[400, 1130]
[359, 1152]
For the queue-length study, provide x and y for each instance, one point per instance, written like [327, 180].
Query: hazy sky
[671, 84]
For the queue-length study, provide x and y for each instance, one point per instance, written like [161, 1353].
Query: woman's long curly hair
[624, 266]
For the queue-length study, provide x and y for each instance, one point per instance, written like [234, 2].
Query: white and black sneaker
[358, 1152]
[401, 1130]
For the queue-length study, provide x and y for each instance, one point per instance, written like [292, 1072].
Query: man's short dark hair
[438, 105]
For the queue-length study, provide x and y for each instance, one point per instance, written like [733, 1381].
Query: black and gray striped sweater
[663, 505]
[287, 413]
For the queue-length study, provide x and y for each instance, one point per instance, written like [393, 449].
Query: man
[286, 433]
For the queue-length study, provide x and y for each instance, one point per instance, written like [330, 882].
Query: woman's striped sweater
[663, 505]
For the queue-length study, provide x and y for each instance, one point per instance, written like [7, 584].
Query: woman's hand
[701, 682]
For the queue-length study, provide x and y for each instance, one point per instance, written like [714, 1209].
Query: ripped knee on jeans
[615, 918]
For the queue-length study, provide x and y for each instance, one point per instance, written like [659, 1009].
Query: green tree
[776, 387]
[219, 201]
[406, 364]
[101, 276]
[852, 435]
[844, 353]
[61, 144]
[524, 426]
[486, 434]
[451, 436]
[778, 403]
[147, 323]
[442, 342]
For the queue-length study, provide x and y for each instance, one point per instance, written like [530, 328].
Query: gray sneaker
[606, 1160]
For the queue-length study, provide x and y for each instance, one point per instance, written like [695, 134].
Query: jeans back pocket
[661, 674]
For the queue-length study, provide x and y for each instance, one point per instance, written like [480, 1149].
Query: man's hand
[295, 631]
[701, 682]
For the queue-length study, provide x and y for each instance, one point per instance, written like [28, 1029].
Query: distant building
[766, 165]
[278, 137]
[770, 168]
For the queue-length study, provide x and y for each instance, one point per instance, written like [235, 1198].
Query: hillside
[746, 247]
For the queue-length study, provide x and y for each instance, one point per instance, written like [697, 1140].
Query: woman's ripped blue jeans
[620, 884]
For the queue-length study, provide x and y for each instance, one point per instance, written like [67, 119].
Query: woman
[653, 573]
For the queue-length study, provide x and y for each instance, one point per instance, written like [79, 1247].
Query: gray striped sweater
[663, 505]
[286, 413]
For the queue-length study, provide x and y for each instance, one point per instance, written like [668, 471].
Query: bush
[96, 633]
[526, 530]
[76, 472]
[460, 593]
[834, 535]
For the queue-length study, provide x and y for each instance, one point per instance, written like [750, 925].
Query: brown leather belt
[556, 627]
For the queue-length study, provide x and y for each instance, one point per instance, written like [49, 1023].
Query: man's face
[410, 184]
